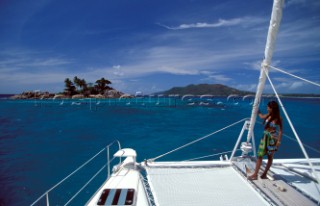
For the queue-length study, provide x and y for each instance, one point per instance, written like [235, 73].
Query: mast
[270, 45]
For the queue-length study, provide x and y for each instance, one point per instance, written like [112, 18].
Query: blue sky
[153, 45]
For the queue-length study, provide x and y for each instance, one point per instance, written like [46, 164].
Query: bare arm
[262, 116]
[279, 135]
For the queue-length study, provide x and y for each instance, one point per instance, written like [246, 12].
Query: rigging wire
[292, 127]
[280, 70]
[293, 139]
[308, 146]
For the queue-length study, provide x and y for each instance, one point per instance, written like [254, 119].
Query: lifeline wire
[197, 140]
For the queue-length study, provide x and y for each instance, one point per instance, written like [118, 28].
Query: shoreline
[30, 95]
[99, 96]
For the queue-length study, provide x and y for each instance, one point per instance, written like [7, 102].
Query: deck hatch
[123, 196]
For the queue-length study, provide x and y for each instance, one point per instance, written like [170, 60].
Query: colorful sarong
[267, 144]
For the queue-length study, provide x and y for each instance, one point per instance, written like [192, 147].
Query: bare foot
[263, 176]
[252, 177]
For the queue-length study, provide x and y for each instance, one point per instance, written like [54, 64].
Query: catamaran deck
[284, 188]
[205, 184]
[224, 183]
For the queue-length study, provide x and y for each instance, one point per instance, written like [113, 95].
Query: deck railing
[107, 148]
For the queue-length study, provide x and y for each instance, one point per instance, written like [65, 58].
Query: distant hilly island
[218, 90]
[202, 89]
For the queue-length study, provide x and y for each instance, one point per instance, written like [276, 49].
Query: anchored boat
[220, 182]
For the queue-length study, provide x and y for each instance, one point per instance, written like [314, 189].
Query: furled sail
[270, 45]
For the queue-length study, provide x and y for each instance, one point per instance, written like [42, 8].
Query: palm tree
[70, 89]
[91, 88]
[81, 84]
[84, 87]
[77, 82]
[102, 85]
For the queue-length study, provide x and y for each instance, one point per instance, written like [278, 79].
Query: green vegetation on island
[78, 88]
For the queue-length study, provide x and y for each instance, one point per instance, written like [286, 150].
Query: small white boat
[76, 103]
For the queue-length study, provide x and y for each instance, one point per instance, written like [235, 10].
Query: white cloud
[180, 53]
[256, 65]
[296, 85]
[25, 78]
[204, 72]
[220, 78]
[117, 70]
[293, 2]
[44, 62]
[213, 76]
[246, 87]
[19, 60]
[288, 84]
[309, 3]
[183, 61]
[220, 23]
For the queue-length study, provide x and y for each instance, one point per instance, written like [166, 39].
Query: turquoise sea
[42, 141]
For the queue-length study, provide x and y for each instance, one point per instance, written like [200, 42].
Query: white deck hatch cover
[201, 186]
[116, 197]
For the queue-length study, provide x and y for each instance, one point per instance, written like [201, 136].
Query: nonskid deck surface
[197, 184]
[215, 182]
[275, 188]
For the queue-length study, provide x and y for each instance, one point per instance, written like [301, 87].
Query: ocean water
[42, 141]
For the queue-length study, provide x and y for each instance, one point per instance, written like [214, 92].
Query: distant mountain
[202, 89]
[5, 96]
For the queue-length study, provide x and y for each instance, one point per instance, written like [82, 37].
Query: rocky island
[76, 89]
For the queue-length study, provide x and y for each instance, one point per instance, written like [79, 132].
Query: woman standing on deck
[271, 138]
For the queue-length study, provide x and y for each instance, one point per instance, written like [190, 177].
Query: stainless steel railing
[107, 148]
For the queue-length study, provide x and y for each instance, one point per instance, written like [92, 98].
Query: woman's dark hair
[274, 114]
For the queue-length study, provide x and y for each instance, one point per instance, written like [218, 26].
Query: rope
[197, 140]
[291, 125]
[280, 70]
[148, 190]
